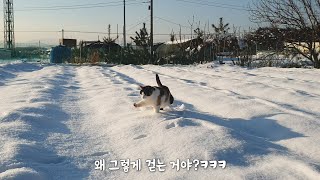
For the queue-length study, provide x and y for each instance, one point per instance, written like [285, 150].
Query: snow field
[57, 120]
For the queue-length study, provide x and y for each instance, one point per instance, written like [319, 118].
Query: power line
[88, 32]
[87, 6]
[77, 5]
[37, 31]
[222, 4]
[160, 18]
[120, 3]
[68, 8]
[169, 21]
[146, 19]
[225, 6]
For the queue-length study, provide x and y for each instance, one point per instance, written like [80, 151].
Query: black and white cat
[158, 97]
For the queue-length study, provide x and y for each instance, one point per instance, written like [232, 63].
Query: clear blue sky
[95, 15]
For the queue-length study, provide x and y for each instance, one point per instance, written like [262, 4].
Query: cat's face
[146, 91]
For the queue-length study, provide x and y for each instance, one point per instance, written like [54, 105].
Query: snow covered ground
[57, 120]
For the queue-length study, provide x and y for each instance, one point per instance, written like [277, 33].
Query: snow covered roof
[177, 41]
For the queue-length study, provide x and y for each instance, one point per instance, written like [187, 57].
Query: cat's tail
[171, 99]
[158, 81]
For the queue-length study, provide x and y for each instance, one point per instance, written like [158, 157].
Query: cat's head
[146, 91]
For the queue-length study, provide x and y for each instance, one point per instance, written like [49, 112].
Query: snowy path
[55, 121]
[41, 110]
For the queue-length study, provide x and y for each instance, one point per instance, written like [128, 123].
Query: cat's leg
[156, 109]
[139, 104]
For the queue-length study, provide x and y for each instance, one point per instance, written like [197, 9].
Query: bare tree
[301, 20]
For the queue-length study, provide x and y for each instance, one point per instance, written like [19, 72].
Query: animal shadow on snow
[258, 136]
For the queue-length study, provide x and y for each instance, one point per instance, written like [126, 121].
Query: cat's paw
[135, 105]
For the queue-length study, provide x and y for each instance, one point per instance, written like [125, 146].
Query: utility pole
[8, 24]
[117, 34]
[124, 23]
[151, 31]
[109, 32]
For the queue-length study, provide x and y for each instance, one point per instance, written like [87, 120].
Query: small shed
[60, 54]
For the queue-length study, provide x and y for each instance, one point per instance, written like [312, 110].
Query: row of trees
[30, 53]
[275, 38]
[203, 47]
[287, 25]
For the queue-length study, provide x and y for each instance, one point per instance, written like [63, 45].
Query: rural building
[302, 46]
[71, 43]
